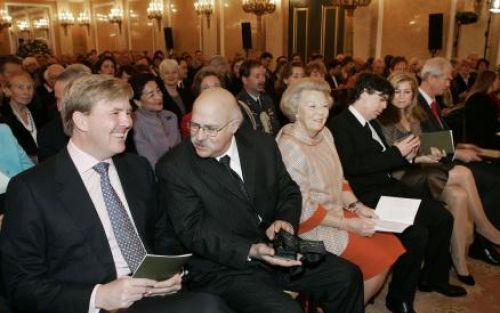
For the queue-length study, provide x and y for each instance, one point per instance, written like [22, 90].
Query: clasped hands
[123, 292]
[409, 146]
[364, 224]
[264, 252]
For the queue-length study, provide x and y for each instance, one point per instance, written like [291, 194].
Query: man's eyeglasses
[210, 131]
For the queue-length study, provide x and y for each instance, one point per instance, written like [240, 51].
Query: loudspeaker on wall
[246, 35]
[169, 38]
[435, 38]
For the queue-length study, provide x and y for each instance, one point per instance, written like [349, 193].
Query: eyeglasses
[210, 131]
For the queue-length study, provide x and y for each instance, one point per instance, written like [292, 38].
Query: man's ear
[80, 120]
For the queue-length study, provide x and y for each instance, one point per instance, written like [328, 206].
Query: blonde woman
[330, 210]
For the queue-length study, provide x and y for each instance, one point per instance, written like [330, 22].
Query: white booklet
[396, 214]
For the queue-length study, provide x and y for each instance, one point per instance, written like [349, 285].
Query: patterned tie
[128, 240]
[434, 109]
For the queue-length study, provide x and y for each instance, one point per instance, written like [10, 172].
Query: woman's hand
[364, 211]
[361, 226]
[435, 156]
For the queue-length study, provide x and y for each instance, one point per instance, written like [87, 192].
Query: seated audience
[204, 79]
[368, 161]
[51, 138]
[257, 106]
[78, 225]
[105, 65]
[455, 185]
[235, 83]
[155, 130]
[330, 210]
[22, 121]
[480, 118]
[234, 200]
[315, 69]
[9, 65]
[175, 99]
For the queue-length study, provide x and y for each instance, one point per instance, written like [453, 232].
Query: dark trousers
[427, 241]
[183, 302]
[335, 283]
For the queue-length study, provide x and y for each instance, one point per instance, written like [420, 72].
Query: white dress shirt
[234, 156]
[363, 122]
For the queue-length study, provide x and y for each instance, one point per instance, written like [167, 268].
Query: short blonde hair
[83, 93]
[292, 97]
[167, 65]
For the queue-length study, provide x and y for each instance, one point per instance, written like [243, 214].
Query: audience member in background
[13, 160]
[296, 57]
[235, 83]
[368, 161]
[454, 185]
[105, 65]
[436, 78]
[266, 59]
[334, 76]
[30, 65]
[184, 80]
[330, 210]
[155, 130]
[482, 65]
[462, 82]
[51, 137]
[378, 67]
[228, 224]
[9, 65]
[22, 121]
[290, 73]
[204, 79]
[480, 120]
[315, 69]
[258, 108]
[44, 99]
[199, 60]
[126, 71]
[175, 99]
[220, 64]
[398, 64]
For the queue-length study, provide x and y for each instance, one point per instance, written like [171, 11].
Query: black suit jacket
[22, 135]
[51, 139]
[171, 105]
[431, 124]
[211, 216]
[481, 122]
[54, 248]
[365, 165]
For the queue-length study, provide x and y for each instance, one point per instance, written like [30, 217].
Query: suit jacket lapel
[77, 202]
[247, 161]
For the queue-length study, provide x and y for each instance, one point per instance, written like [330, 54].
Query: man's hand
[276, 227]
[360, 226]
[265, 253]
[122, 293]
[169, 286]
[408, 147]
[467, 155]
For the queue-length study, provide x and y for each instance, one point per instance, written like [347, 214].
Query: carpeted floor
[484, 297]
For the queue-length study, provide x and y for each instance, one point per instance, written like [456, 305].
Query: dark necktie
[434, 109]
[127, 238]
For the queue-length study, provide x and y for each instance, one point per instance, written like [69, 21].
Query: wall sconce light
[350, 5]
[204, 7]
[23, 26]
[495, 6]
[41, 24]
[259, 8]
[115, 16]
[5, 19]
[84, 20]
[155, 12]
[66, 19]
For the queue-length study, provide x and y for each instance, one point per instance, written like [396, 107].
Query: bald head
[51, 73]
[216, 118]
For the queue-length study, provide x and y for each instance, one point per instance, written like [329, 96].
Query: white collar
[232, 151]
[427, 98]
[357, 115]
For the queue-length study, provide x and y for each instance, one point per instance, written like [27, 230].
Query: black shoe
[484, 251]
[466, 279]
[443, 288]
[396, 306]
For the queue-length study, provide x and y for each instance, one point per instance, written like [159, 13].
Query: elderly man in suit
[367, 161]
[436, 76]
[79, 224]
[227, 193]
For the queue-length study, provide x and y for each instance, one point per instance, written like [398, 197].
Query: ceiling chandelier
[66, 19]
[115, 16]
[5, 19]
[350, 5]
[259, 7]
[155, 11]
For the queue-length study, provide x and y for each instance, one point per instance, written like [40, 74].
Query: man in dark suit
[227, 193]
[257, 106]
[367, 161]
[51, 138]
[436, 76]
[77, 225]
[461, 83]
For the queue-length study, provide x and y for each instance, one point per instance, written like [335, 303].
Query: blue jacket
[13, 159]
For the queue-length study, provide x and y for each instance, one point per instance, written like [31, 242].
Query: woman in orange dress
[330, 210]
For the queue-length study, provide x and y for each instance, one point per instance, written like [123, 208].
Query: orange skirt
[373, 254]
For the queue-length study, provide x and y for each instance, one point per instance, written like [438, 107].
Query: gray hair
[435, 67]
